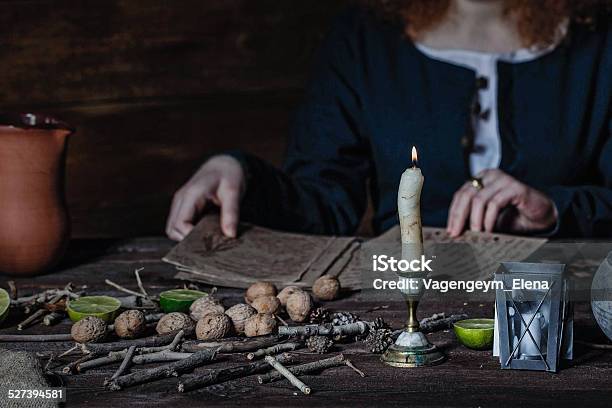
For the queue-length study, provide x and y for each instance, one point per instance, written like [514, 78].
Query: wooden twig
[160, 356]
[351, 329]
[115, 356]
[123, 289]
[139, 282]
[19, 338]
[237, 346]
[31, 319]
[355, 369]
[53, 318]
[73, 366]
[125, 363]
[154, 341]
[302, 369]
[39, 314]
[280, 319]
[279, 348]
[226, 374]
[39, 297]
[67, 352]
[173, 369]
[375, 308]
[439, 322]
[112, 357]
[287, 374]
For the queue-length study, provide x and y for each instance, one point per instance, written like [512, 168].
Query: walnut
[174, 321]
[298, 306]
[286, 292]
[266, 304]
[239, 314]
[90, 329]
[326, 288]
[259, 325]
[213, 326]
[205, 305]
[130, 324]
[259, 289]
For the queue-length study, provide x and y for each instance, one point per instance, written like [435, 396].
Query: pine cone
[320, 315]
[378, 340]
[379, 323]
[319, 344]
[342, 318]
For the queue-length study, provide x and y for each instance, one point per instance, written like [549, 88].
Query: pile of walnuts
[255, 317]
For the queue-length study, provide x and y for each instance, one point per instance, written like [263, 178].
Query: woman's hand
[503, 202]
[219, 181]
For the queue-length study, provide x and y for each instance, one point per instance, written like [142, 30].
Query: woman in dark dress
[508, 102]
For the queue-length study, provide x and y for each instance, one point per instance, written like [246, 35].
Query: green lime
[179, 300]
[5, 303]
[104, 307]
[476, 334]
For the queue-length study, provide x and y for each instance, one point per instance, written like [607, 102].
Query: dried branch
[125, 363]
[123, 289]
[173, 369]
[351, 329]
[236, 346]
[115, 356]
[139, 282]
[355, 369]
[221, 375]
[302, 369]
[160, 356]
[53, 318]
[73, 366]
[154, 341]
[279, 348]
[287, 374]
[439, 322]
[39, 314]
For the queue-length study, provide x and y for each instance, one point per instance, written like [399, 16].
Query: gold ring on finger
[477, 183]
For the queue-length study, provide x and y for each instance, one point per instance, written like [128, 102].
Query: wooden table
[468, 378]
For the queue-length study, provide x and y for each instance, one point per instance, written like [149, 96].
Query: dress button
[482, 82]
[484, 115]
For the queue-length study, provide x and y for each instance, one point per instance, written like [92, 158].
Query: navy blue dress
[373, 95]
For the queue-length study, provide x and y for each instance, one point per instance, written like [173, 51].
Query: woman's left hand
[504, 202]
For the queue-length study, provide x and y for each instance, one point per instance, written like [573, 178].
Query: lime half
[476, 334]
[5, 303]
[179, 300]
[104, 307]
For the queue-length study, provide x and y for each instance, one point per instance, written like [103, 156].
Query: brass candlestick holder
[412, 348]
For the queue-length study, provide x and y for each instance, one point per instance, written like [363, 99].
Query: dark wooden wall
[153, 86]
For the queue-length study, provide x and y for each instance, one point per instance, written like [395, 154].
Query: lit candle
[409, 210]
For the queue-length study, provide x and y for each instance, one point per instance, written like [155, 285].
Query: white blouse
[487, 144]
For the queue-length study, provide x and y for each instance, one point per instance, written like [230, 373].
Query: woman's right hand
[221, 181]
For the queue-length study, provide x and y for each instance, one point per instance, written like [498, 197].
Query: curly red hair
[538, 21]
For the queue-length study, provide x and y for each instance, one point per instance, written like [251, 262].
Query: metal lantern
[533, 322]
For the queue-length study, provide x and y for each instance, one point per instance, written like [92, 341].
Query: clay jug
[34, 223]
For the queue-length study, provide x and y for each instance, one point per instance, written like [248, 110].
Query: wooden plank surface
[468, 378]
[153, 87]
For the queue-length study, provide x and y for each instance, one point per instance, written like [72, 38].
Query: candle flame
[415, 156]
